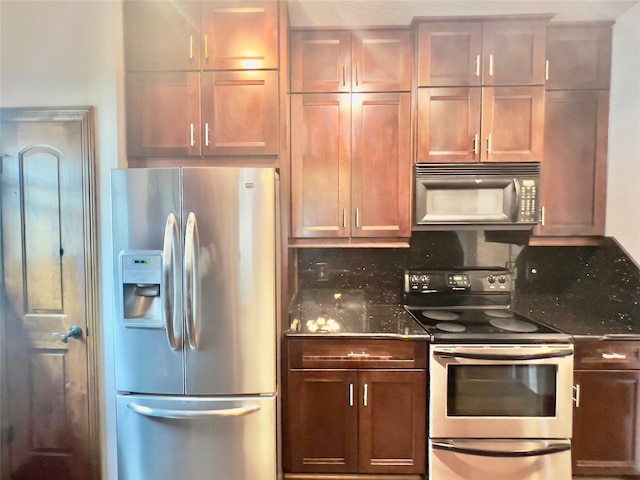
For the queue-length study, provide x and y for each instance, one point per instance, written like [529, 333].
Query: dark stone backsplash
[600, 280]
[380, 271]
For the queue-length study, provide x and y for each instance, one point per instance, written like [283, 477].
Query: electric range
[471, 305]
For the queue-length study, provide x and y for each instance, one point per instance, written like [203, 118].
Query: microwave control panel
[528, 202]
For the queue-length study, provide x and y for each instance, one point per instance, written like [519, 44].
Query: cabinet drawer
[351, 353]
[613, 355]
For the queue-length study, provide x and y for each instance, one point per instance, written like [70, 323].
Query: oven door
[499, 459]
[501, 391]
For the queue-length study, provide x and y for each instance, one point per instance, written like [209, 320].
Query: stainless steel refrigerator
[195, 330]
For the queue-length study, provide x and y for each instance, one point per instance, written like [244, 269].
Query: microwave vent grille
[501, 169]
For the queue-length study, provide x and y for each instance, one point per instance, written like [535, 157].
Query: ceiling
[353, 13]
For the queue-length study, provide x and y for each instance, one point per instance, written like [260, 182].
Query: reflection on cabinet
[507, 51]
[351, 165]
[606, 426]
[209, 113]
[351, 61]
[473, 124]
[190, 35]
[578, 55]
[356, 406]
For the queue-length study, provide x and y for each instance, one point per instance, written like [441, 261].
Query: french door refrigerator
[195, 330]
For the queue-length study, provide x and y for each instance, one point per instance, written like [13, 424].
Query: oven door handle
[489, 356]
[549, 449]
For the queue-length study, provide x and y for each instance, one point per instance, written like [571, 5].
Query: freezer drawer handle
[488, 356]
[192, 414]
[552, 448]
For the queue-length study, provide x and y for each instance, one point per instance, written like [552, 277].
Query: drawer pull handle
[576, 395]
[614, 356]
[358, 355]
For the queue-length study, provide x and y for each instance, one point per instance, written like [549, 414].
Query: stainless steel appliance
[486, 196]
[500, 390]
[195, 333]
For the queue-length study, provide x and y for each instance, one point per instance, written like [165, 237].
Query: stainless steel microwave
[483, 196]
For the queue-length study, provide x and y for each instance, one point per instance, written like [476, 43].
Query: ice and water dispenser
[141, 278]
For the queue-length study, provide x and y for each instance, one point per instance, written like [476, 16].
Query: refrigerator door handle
[190, 281]
[191, 414]
[168, 286]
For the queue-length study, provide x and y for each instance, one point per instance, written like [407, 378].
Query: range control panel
[481, 280]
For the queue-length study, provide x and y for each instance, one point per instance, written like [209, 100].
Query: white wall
[69, 53]
[623, 197]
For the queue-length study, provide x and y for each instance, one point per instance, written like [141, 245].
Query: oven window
[501, 390]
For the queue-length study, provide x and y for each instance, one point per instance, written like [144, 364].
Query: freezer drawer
[186, 438]
[499, 459]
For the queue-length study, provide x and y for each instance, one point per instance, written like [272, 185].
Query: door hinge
[6, 435]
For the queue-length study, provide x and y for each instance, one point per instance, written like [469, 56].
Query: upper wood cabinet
[480, 124]
[578, 55]
[189, 35]
[506, 51]
[351, 165]
[351, 61]
[210, 113]
[573, 174]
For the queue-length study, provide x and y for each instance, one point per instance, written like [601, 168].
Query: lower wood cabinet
[606, 423]
[357, 419]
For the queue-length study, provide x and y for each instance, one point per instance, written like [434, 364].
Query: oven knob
[502, 279]
[491, 279]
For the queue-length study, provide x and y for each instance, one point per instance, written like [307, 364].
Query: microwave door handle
[489, 356]
[516, 204]
[453, 447]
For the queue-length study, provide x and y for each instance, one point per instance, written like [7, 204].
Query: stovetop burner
[442, 315]
[513, 325]
[450, 327]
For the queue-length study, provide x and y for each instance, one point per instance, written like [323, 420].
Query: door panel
[48, 288]
[141, 201]
[320, 171]
[231, 345]
[381, 165]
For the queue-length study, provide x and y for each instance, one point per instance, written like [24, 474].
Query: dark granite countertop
[383, 321]
[562, 313]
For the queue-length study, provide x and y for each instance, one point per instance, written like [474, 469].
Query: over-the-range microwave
[483, 196]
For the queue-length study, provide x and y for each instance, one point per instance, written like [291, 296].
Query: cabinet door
[381, 61]
[606, 423]
[513, 53]
[573, 174]
[163, 114]
[579, 56]
[161, 35]
[323, 421]
[320, 165]
[240, 113]
[239, 35]
[392, 421]
[320, 61]
[449, 54]
[512, 124]
[448, 125]
[381, 165]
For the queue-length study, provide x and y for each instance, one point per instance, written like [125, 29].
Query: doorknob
[74, 332]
